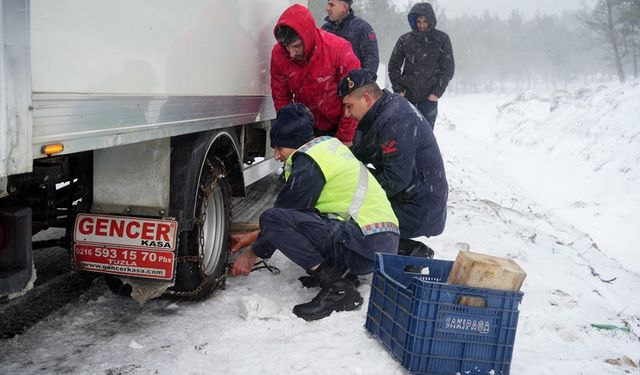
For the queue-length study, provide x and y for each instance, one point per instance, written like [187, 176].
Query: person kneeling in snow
[330, 217]
[398, 142]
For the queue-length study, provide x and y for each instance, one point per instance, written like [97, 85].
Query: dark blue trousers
[309, 239]
[429, 110]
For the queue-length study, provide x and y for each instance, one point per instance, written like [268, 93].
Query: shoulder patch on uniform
[372, 36]
[389, 147]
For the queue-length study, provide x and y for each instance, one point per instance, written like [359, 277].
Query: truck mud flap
[16, 256]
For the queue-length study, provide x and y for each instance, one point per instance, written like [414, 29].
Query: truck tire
[203, 251]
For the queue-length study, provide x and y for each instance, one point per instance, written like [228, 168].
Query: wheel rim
[213, 230]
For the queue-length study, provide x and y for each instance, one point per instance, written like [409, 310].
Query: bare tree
[517, 52]
[603, 21]
[630, 31]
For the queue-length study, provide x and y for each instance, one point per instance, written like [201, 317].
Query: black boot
[313, 281]
[414, 249]
[337, 294]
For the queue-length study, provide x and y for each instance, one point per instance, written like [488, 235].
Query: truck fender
[188, 153]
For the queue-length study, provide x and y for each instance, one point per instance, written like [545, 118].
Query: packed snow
[549, 180]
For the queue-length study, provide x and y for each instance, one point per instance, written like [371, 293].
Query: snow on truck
[132, 123]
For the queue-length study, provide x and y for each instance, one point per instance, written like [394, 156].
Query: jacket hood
[300, 19]
[422, 9]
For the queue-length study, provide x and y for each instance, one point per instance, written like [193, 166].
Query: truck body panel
[161, 110]
[143, 167]
[92, 74]
[164, 47]
[15, 89]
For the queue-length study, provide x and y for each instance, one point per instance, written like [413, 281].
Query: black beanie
[293, 127]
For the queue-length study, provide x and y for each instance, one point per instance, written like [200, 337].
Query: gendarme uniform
[330, 217]
[361, 36]
[350, 190]
[405, 156]
[331, 210]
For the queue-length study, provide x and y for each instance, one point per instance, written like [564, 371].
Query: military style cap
[354, 80]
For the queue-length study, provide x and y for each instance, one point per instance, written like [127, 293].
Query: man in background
[342, 21]
[421, 64]
[306, 65]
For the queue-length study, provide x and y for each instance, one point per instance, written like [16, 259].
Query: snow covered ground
[549, 180]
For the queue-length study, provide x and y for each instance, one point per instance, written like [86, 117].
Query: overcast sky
[455, 8]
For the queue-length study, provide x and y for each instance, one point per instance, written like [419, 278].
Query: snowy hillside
[578, 154]
[526, 180]
[549, 181]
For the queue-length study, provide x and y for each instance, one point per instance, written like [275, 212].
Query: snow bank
[524, 185]
[598, 128]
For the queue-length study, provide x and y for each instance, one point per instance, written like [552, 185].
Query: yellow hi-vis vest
[351, 191]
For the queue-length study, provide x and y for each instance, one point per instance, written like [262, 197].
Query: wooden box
[486, 271]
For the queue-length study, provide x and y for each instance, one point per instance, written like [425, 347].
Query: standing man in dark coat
[399, 143]
[421, 64]
[344, 23]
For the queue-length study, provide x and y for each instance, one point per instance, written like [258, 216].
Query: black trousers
[309, 238]
[429, 110]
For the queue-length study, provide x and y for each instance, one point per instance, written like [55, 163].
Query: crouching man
[330, 217]
[399, 143]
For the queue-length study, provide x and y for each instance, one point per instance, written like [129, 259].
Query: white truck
[132, 123]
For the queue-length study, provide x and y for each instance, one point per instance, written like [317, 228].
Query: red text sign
[124, 261]
[135, 232]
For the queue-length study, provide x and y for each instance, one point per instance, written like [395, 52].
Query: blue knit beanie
[293, 127]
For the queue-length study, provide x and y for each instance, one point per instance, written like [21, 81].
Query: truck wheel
[203, 251]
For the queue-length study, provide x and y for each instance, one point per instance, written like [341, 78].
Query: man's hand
[433, 98]
[348, 144]
[239, 240]
[401, 93]
[244, 263]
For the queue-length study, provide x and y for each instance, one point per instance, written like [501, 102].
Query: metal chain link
[219, 282]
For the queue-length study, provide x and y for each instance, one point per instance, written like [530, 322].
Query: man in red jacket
[306, 65]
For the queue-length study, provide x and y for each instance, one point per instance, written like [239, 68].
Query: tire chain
[220, 282]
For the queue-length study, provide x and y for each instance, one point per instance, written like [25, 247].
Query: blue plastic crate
[417, 317]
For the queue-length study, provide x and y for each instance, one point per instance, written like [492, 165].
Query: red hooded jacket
[314, 83]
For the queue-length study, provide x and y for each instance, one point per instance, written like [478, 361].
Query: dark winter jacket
[427, 58]
[400, 145]
[361, 36]
[314, 83]
[303, 187]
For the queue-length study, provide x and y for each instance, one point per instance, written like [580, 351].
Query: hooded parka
[313, 82]
[427, 58]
